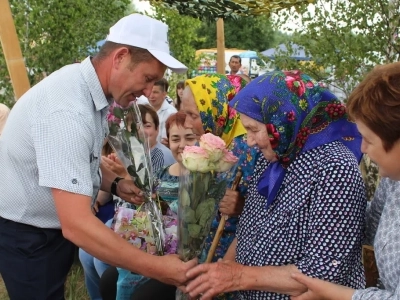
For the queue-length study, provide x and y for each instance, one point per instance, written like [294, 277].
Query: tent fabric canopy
[248, 54]
[296, 52]
[213, 9]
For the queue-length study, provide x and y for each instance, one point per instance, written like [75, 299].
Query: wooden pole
[221, 225]
[220, 46]
[12, 51]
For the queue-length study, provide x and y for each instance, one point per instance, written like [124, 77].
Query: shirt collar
[165, 105]
[90, 76]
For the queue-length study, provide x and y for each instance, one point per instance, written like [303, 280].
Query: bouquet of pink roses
[201, 189]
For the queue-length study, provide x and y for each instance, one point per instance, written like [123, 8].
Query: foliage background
[55, 33]
[345, 39]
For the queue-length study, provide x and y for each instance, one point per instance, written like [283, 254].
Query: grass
[75, 288]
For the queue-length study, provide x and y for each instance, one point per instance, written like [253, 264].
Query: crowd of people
[295, 225]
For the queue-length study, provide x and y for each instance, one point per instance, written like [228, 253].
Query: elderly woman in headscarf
[4, 112]
[306, 200]
[205, 101]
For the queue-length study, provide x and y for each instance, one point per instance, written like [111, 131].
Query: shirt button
[335, 263]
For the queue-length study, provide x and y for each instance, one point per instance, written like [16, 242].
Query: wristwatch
[114, 185]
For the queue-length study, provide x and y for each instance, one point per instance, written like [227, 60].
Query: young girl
[178, 137]
[179, 92]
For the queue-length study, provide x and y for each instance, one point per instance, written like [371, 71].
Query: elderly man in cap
[50, 152]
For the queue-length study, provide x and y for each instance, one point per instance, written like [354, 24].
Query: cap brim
[172, 63]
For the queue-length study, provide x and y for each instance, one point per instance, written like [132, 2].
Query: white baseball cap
[144, 32]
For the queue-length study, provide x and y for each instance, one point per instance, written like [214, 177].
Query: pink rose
[195, 158]
[213, 145]
[227, 161]
[113, 119]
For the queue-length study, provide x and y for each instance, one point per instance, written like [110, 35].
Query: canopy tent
[296, 52]
[203, 9]
[248, 54]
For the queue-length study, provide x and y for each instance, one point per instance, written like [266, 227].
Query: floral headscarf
[212, 93]
[300, 115]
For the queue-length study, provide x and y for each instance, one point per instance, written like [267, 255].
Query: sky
[141, 5]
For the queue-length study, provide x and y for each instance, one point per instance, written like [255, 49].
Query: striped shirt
[53, 139]
[161, 156]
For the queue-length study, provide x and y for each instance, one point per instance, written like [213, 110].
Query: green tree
[251, 33]
[346, 38]
[55, 33]
[281, 38]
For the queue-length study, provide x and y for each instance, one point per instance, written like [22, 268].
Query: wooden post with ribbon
[222, 222]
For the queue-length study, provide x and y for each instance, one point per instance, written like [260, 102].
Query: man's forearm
[90, 234]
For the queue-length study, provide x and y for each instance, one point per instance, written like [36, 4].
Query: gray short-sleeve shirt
[52, 139]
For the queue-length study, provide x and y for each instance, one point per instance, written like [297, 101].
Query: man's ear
[120, 55]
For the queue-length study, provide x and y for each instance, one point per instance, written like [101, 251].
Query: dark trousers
[34, 262]
[154, 289]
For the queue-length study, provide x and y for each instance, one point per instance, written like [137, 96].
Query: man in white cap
[50, 152]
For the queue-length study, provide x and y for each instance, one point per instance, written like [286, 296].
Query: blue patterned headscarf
[300, 115]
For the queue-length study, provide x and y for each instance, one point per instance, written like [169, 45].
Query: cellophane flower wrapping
[142, 226]
[202, 187]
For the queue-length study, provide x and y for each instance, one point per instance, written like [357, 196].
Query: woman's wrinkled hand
[232, 204]
[212, 279]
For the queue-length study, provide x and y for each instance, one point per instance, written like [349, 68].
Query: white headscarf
[4, 112]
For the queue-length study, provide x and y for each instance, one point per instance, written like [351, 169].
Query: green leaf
[194, 230]
[189, 215]
[132, 171]
[205, 211]
[118, 112]
[114, 129]
[141, 166]
[184, 197]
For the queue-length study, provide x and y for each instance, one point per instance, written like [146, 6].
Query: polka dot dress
[315, 223]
